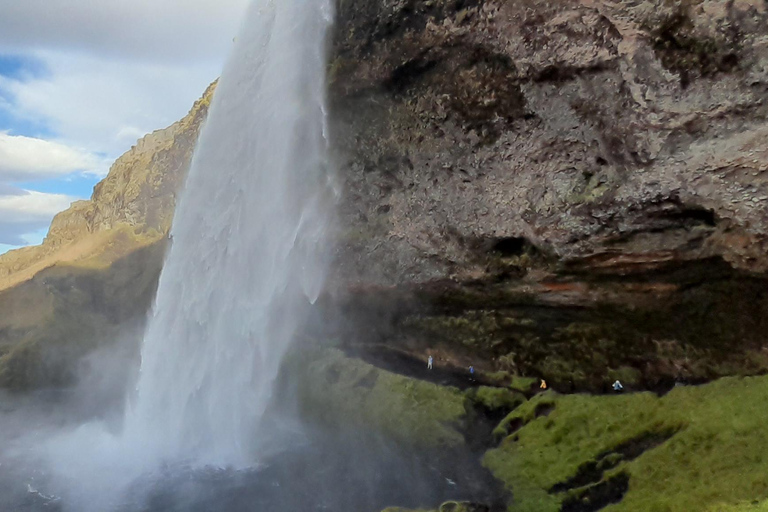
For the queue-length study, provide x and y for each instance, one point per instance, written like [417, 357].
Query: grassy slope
[716, 460]
[67, 311]
[338, 390]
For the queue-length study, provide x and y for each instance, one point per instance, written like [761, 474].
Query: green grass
[718, 455]
[338, 390]
[496, 398]
[522, 384]
[756, 506]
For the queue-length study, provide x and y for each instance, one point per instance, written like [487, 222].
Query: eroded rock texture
[580, 187]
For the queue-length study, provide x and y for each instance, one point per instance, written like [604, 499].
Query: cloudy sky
[82, 80]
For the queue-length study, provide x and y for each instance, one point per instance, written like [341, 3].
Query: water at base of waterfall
[321, 471]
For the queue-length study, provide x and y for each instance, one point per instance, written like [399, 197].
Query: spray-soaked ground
[320, 471]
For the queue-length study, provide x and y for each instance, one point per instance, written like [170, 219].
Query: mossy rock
[540, 405]
[522, 384]
[494, 399]
[626, 375]
[694, 448]
[341, 391]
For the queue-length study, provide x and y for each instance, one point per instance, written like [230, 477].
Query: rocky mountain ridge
[136, 199]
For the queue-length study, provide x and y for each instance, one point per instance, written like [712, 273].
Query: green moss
[496, 398]
[337, 390]
[755, 506]
[523, 414]
[718, 452]
[499, 377]
[473, 329]
[522, 384]
[626, 374]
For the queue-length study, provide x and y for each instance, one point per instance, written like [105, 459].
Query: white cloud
[167, 30]
[105, 105]
[27, 158]
[23, 212]
[103, 74]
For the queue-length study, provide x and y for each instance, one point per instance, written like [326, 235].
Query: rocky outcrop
[138, 195]
[140, 189]
[627, 132]
[572, 189]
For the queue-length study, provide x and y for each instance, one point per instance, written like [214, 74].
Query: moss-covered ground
[697, 448]
[338, 390]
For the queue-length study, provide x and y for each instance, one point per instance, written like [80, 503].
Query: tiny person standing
[429, 363]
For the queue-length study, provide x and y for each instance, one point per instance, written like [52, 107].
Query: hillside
[94, 276]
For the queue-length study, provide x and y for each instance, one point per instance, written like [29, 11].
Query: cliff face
[574, 189]
[142, 185]
[620, 133]
[571, 189]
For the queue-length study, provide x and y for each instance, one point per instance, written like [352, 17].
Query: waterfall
[247, 242]
[247, 245]
[247, 258]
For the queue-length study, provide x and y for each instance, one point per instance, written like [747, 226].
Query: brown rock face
[586, 127]
[141, 187]
[588, 179]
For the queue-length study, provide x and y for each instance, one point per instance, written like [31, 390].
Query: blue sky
[77, 184]
[82, 80]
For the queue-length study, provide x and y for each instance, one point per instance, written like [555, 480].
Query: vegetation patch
[337, 390]
[687, 450]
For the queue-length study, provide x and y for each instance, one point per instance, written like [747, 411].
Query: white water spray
[247, 244]
[246, 259]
